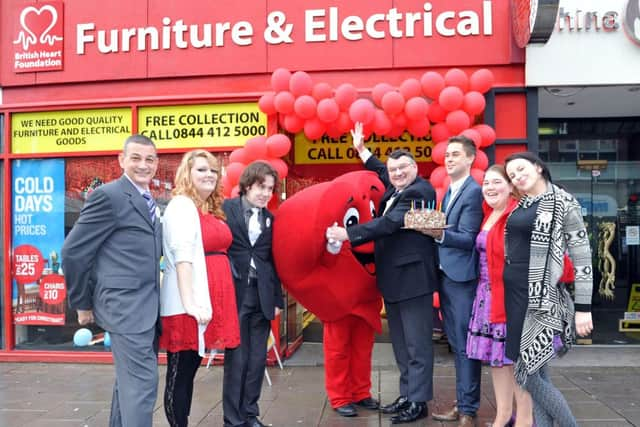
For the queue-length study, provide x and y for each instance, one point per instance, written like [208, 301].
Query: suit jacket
[458, 255]
[405, 260]
[241, 252]
[111, 259]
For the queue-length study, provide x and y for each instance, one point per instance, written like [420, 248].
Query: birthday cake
[424, 218]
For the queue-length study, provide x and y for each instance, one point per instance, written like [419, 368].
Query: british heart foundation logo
[39, 37]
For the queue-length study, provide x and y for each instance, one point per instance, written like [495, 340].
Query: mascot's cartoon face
[330, 286]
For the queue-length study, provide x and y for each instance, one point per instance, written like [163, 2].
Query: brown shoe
[450, 415]
[467, 421]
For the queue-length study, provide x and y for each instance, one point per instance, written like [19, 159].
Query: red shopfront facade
[77, 77]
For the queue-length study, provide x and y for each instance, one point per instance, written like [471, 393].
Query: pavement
[601, 384]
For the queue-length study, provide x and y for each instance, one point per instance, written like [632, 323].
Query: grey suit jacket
[111, 259]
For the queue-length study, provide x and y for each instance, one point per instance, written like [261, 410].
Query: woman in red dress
[197, 299]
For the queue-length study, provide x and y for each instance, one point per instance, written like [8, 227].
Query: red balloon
[481, 80]
[400, 120]
[481, 161]
[322, 90]
[437, 154]
[396, 131]
[451, 98]
[280, 166]
[256, 148]
[239, 155]
[436, 113]
[478, 175]
[278, 145]
[381, 123]
[300, 83]
[333, 130]
[226, 188]
[473, 103]
[314, 128]
[416, 108]
[437, 176]
[393, 102]
[473, 135]
[440, 132]
[235, 191]
[283, 102]
[440, 192]
[379, 91]
[234, 170]
[293, 123]
[345, 95]
[344, 122]
[362, 110]
[265, 103]
[328, 110]
[410, 88]
[432, 84]
[419, 128]
[457, 77]
[457, 121]
[305, 106]
[280, 79]
[487, 133]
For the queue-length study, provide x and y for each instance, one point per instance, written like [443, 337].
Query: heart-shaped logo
[36, 25]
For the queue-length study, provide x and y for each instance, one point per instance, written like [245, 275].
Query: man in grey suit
[111, 267]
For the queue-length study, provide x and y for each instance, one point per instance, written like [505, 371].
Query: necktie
[390, 201]
[445, 200]
[151, 205]
[254, 226]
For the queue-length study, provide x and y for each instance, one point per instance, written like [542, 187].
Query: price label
[52, 289]
[27, 264]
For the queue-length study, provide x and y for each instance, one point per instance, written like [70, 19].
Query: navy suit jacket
[458, 255]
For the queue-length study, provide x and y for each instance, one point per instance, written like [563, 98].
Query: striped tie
[151, 205]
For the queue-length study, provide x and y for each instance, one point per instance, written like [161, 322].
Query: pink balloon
[278, 145]
[481, 161]
[379, 91]
[362, 110]
[437, 154]
[322, 90]
[392, 102]
[239, 155]
[280, 79]
[416, 108]
[300, 83]
[280, 166]
[451, 98]
[440, 132]
[481, 80]
[345, 95]
[234, 170]
[437, 176]
[328, 110]
[305, 107]
[344, 122]
[457, 121]
[314, 128]
[256, 148]
[473, 135]
[432, 84]
[293, 123]
[410, 88]
[457, 77]
[381, 123]
[283, 102]
[419, 128]
[487, 133]
[473, 103]
[436, 113]
[477, 175]
[265, 103]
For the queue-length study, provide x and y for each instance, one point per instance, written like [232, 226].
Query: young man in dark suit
[258, 293]
[405, 274]
[111, 267]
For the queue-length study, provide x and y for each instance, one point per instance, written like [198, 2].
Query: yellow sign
[331, 150]
[194, 126]
[74, 130]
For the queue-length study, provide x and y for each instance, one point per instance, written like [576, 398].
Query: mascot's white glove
[333, 246]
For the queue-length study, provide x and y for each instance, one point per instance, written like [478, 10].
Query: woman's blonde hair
[184, 184]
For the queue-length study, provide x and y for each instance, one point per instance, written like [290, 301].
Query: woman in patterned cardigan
[541, 318]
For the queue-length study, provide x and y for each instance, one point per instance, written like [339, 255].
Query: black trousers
[181, 371]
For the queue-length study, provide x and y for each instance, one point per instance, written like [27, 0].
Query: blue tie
[151, 205]
[445, 200]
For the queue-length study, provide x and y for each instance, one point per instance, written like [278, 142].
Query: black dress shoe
[368, 403]
[398, 405]
[255, 423]
[415, 411]
[347, 410]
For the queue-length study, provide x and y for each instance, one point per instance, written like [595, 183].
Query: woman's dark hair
[531, 158]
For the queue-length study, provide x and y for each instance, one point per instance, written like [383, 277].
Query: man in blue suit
[462, 205]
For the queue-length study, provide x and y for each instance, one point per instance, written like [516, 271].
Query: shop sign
[193, 126]
[39, 291]
[70, 131]
[38, 43]
[327, 150]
